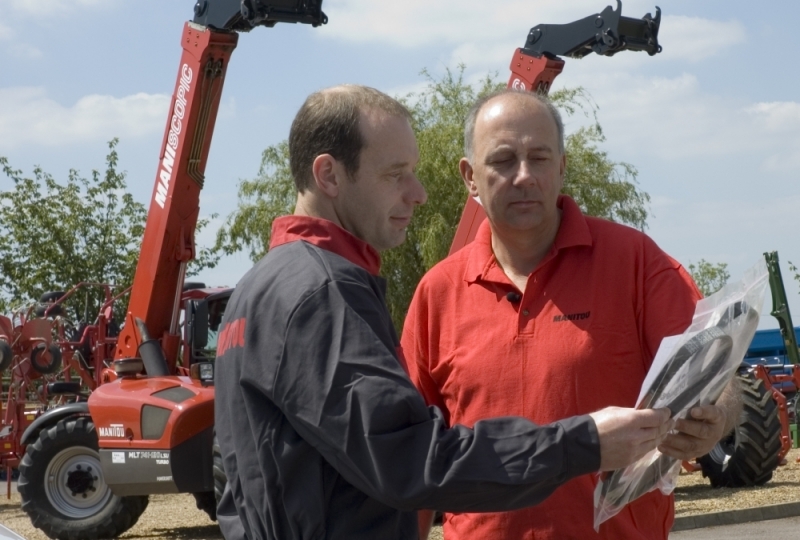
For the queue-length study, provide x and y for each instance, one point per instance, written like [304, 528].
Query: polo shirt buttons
[525, 312]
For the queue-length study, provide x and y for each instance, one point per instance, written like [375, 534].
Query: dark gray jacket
[323, 435]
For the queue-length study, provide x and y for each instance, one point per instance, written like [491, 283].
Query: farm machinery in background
[770, 378]
[46, 359]
[51, 359]
[128, 411]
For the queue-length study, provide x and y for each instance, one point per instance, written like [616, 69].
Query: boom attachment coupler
[244, 15]
[605, 33]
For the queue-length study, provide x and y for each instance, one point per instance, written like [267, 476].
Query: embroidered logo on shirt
[572, 317]
[232, 335]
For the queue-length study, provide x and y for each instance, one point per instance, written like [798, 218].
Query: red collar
[328, 236]
[573, 231]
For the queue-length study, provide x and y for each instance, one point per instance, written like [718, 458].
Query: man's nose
[524, 174]
[416, 192]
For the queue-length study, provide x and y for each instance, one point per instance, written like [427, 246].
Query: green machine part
[780, 307]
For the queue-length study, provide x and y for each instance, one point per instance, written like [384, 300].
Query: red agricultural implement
[48, 359]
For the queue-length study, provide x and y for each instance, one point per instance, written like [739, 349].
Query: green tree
[709, 277]
[600, 186]
[795, 271]
[54, 236]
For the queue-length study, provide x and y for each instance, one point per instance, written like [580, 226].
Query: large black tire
[49, 363]
[62, 488]
[49, 298]
[220, 480]
[748, 456]
[207, 501]
[53, 296]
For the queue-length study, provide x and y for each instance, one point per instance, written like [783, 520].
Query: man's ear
[465, 168]
[562, 169]
[327, 174]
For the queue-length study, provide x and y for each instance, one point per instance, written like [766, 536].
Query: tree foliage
[261, 200]
[54, 236]
[600, 186]
[709, 277]
[795, 271]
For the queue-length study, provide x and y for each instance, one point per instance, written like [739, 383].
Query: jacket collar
[328, 236]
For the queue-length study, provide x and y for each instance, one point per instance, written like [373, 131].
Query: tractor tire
[49, 365]
[6, 356]
[220, 480]
[207, 501]
[747, 456]
[50, 297]
[62, 488]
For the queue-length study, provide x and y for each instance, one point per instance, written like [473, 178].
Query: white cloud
[6, 33]
[54, 7]
[676, 118]
[29, 116]
[694, 39]
[23, 50]
[778, 116]
[414, 23]
[10, 44]
[485, 37]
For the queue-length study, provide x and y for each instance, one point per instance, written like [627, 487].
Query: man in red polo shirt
[546, 315]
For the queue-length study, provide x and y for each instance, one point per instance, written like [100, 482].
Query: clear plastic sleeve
[688, 370]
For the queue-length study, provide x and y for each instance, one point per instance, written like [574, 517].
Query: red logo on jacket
[232, 335]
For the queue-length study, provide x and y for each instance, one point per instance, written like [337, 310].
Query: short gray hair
[472, 117]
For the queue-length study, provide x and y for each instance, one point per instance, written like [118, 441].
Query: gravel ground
[175, 517]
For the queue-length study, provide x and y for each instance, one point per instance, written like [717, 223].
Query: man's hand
[697, 434]
[628, 434]
[705, 425]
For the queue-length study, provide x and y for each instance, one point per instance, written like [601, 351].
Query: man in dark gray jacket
[322, 433]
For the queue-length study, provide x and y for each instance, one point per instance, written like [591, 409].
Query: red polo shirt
[580, 337]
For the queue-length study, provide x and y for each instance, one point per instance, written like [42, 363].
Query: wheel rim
[723, 450]
[74, 483]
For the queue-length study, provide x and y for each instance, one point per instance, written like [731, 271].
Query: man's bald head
[535, 100]
[329, 123]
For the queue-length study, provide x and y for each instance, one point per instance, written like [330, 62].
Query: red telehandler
[90, 465]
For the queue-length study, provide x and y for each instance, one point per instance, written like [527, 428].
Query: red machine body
[122, 410]
[168, 243]
[158, 435]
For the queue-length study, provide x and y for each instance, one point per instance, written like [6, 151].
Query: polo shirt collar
[328, 236]
[572, 231]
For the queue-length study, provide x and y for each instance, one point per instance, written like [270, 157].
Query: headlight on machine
[203, 372]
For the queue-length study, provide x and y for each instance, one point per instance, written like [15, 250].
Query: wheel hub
[81, 481]
[74, 483]
[723, 450]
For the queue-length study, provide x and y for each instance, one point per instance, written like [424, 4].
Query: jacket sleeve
[344, 392]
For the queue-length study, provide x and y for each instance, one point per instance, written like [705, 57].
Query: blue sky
[712, 123]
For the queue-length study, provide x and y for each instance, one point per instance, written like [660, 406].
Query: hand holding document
[688, 370]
